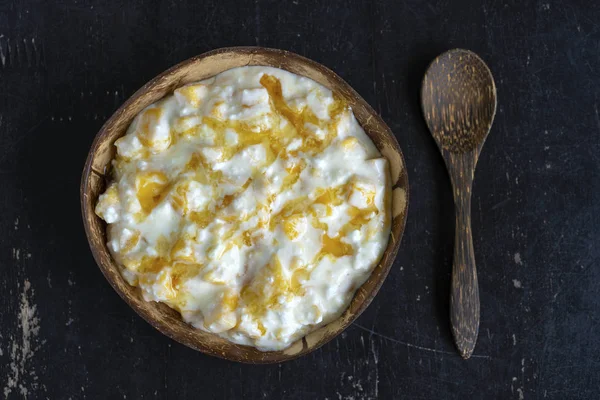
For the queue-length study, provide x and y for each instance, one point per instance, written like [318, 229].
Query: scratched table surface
[66, 66]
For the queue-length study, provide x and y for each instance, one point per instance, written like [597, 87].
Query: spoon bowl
[458, 98]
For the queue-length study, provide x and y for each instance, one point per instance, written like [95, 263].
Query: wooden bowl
[167, 320]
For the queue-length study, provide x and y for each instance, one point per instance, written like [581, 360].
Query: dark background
[66, 66]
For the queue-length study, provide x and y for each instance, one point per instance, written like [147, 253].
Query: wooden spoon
[458, 98]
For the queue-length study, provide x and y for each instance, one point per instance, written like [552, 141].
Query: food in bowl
[251, 202]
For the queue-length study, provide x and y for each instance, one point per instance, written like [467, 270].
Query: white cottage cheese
[252, 202]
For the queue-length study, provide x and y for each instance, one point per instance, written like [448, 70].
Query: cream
[252, 202]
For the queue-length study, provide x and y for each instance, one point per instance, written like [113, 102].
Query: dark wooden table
[64, 68]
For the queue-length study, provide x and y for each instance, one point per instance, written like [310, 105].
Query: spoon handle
[464, 295]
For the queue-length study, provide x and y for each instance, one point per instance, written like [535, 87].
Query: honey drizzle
[262, 293]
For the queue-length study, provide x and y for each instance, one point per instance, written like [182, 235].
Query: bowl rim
[165, 328]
